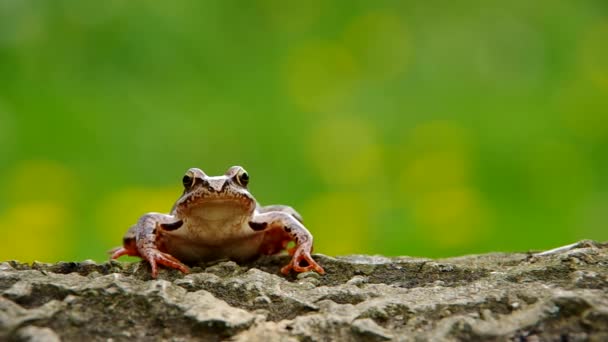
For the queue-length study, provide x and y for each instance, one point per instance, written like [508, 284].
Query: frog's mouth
[215, 209]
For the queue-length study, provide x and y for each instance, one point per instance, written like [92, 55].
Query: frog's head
[215, 197]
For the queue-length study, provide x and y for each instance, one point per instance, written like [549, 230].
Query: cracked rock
[560, 294]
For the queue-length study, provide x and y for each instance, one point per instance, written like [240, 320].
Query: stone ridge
[556, 295]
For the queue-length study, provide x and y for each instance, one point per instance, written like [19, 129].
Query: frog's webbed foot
[296, 261]
[297, 232]
[142, 241]
[156, 257]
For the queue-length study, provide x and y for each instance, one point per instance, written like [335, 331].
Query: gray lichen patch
[557, 295]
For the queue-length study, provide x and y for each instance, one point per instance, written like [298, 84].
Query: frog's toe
[157, 257]
[285, 269]
[294, 264]
[118, 252]
[312, 266]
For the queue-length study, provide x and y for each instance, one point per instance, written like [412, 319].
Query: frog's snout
[214, 184]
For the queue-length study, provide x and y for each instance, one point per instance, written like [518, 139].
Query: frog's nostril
[206, 184]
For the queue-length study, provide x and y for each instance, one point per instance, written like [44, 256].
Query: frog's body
[215, 218]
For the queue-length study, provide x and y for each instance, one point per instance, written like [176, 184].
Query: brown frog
[215, 218]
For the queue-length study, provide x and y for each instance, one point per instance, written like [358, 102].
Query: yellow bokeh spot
[339, 223]
[120, 210]
[435, 157]
[34, 231]
[379, 43]
[435, 180]
[434, 171]
[450, 218]
[36, 218]
[320, 76]
[40, 180]
[345, 151]
[594, 55]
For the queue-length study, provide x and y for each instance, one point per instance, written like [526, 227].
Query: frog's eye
[188, 180]
[242, 178]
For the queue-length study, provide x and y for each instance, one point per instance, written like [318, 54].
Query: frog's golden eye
[242, 178]
[188, 180]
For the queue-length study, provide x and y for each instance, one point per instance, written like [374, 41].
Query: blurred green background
[429, 128]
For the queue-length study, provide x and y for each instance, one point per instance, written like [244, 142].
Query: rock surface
[559, 295]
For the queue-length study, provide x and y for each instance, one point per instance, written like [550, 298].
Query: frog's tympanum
[215, 218]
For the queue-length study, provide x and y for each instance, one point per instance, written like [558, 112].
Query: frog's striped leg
[270, 246]
[285, 221]
[143, 240]
[282, 208]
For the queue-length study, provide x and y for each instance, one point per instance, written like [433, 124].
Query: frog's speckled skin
[215, 218]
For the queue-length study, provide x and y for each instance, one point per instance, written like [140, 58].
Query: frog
[216, 218]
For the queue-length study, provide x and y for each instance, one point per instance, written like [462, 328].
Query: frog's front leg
[298, 233]
[143, 240]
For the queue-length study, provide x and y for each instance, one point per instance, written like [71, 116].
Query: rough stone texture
[559, 295]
